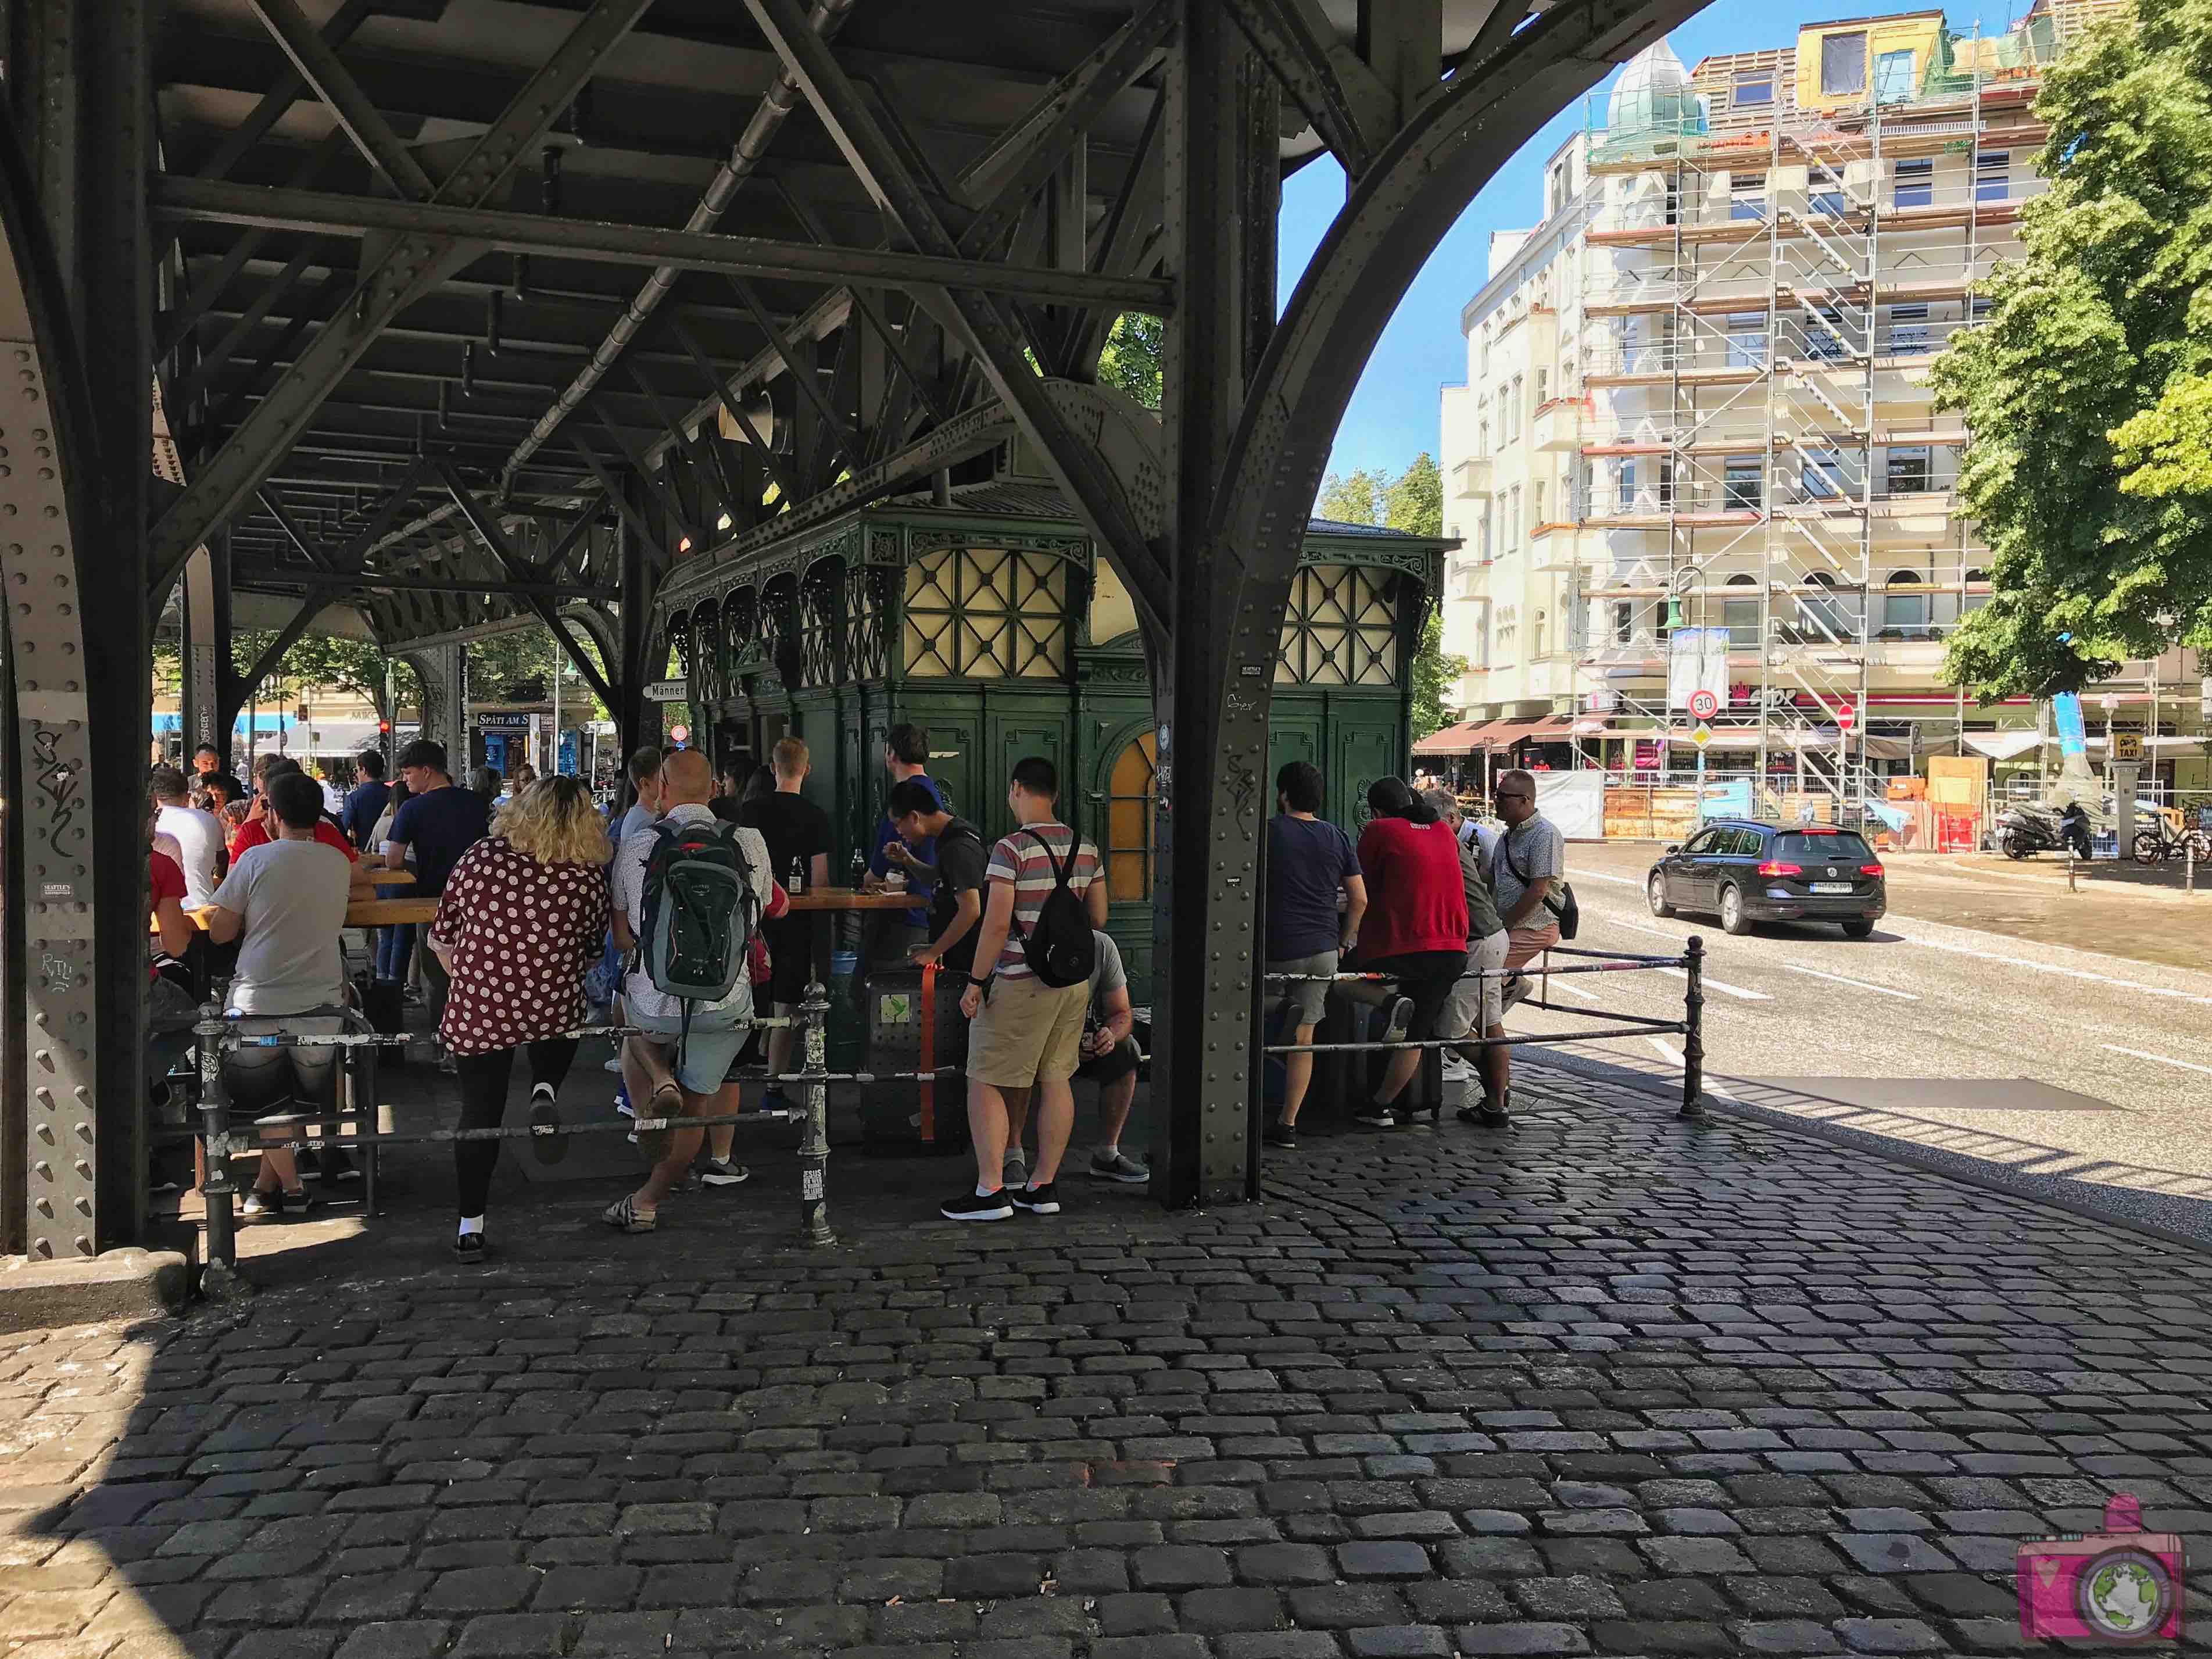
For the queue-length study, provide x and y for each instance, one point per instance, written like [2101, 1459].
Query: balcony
[1559, 425]
[1471, 479]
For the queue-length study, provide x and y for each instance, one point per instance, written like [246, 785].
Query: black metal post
[216, 1191]
[814, 1142]
[1693, 1028]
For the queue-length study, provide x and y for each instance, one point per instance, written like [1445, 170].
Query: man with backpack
[1034, 957]
[690, 893]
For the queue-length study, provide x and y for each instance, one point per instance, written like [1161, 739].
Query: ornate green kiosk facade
[992, 624]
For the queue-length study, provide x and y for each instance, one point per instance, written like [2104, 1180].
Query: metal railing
[1690, 1027]
[222, 1140]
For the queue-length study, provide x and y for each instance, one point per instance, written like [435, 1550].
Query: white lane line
[1722, 986]
[2138, 1054]
[2053, 968]
[1598, 875]
[1667, 1050]
[1571, 989]
[1886, 990]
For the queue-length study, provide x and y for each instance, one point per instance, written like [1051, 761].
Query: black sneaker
[973, 1206]
[1279, 1134]
[469, 1248]
[1495, 1114]
[1371, 1116]
[297, 1203]
[1038, 1200]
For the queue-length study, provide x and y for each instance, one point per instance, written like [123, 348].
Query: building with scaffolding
[1696, 448]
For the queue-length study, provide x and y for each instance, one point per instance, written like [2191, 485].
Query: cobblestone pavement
[1607, 1384]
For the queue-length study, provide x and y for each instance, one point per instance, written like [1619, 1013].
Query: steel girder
[494, 230]
[414, 264]
[1247, 540]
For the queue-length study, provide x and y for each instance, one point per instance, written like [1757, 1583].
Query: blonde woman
[522, 917]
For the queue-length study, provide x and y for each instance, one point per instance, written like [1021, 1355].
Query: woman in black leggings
[522, 917]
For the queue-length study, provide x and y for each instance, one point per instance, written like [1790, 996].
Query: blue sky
[1392, 416]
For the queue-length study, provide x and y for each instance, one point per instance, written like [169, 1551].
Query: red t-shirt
[256, 834]
[1415, 899]
[164, 879]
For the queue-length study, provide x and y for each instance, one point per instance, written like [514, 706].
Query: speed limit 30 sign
[1703, 705]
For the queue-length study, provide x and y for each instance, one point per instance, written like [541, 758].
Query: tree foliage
[1130, 363]
[2088, 393]
[1413, 502]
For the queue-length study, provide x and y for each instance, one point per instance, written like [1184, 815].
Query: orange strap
[928, 1050]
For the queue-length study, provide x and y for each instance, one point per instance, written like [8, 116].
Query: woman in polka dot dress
[522, 917]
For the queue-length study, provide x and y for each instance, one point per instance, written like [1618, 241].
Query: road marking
[2053, 968]
[1887, 991]
[1571, 989]
[1711, 983]
[1624, 881]
[1667, 1051]
[1659, 933]
[1723, 986]
[2138, 1054]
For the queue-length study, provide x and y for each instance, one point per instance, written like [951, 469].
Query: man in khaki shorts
[1024, 1028]
[1526, 873]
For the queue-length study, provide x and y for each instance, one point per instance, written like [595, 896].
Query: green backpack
[700, 911]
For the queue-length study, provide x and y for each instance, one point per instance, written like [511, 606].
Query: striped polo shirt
[1021, 861]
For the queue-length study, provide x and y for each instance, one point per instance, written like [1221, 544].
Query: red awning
[1461, 740]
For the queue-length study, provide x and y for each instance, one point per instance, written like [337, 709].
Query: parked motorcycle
[2025, 830]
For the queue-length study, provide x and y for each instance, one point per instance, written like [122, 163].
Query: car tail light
[1772, 869]
[1869, 869]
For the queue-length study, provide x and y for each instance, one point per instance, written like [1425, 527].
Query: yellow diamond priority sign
[1703, 735]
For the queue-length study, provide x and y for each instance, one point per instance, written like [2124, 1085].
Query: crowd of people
[1429, 898]
[545, 909]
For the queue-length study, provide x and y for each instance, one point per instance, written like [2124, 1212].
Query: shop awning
[1461, 740]
[2002, 745]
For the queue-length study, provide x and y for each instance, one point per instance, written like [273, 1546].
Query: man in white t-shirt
[284, 902]
[199, 834]
[679, 1068]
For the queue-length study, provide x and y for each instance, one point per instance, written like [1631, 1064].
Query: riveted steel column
[636, 721]
[1211, 729]
[52, 797]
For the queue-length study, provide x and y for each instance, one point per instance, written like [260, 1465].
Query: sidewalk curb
[1976, 1173]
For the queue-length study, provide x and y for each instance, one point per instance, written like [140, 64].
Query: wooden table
[390, 911]
[850, 898]
[391, 878]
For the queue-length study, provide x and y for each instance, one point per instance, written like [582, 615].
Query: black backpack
[1060, 949]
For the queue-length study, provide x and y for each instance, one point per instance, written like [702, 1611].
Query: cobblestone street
[1607, 1384]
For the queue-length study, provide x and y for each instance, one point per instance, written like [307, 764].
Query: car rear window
[1838, 847]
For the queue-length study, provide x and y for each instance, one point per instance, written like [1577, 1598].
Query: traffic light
[384, 728]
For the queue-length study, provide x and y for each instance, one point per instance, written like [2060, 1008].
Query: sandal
[625, 1217]
[666, 1113]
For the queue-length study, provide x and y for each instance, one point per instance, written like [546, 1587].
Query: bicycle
[2159, 843]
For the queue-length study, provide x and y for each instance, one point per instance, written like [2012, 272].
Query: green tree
[1413, 502]
[2089, 393]
[1130, 363]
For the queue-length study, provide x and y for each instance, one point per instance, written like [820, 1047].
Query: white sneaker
[715, 1173]
[614, 1065]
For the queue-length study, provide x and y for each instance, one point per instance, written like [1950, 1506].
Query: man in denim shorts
[1311, 862]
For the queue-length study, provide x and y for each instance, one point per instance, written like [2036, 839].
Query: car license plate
[1832, 887]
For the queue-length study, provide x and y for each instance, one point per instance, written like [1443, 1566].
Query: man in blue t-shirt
[906, 754]
[440, 823]
[1309, 862]
[365, 803]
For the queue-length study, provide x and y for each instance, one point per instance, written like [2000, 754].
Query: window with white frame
[1746, 339]
[1908, 330]
[1993, 175]
[1746, 196]
[1739, 485]
[1753, 89]
[1536, 504]
[1741, 617]
[1915, 182]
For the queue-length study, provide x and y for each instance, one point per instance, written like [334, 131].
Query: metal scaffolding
[1762, 293]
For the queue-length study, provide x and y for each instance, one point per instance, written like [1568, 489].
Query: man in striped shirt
[1024, 1029]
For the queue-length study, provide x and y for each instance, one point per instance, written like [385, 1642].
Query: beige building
[1696, 448]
